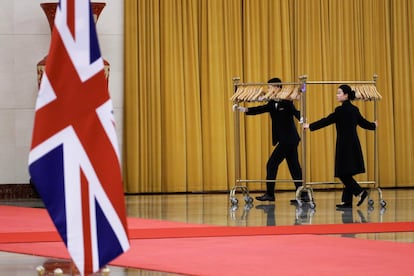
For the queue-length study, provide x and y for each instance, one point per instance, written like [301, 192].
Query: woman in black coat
[349, 160]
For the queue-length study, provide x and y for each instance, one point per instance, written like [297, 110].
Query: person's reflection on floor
[348, 217]
[270, 211]
[361, 216]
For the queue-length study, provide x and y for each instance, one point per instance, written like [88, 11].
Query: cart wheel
[383, 203]
[371, 202]
[248, 199]
[234, 201]
[312, 205]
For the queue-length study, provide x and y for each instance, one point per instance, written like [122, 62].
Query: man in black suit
[284, 136]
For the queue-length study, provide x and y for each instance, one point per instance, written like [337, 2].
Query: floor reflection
[216, 209]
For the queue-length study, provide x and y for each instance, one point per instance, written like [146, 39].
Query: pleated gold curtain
[181, 56]
[339, 40]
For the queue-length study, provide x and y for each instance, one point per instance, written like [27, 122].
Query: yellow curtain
[181, 56]
[342, 40]
[402, 81]
[268, 34]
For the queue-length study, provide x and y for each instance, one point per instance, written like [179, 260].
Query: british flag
[74, 159]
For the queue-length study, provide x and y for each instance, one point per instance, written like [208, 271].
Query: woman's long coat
[348, 157]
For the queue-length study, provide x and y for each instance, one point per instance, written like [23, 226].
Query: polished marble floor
[216, 209]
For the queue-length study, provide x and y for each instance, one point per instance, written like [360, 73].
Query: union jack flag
[74, 159]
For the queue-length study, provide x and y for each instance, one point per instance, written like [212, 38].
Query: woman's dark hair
[347, 90]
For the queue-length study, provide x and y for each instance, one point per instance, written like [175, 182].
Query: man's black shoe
[364, 195]
[266, 197]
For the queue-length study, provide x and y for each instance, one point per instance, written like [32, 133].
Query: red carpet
[210, 250]
[254, 255]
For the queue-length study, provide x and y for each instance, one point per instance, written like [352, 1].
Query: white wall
[24, 41]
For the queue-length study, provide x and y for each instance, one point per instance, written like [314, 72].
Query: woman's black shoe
[364, 195]
[344, 205]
